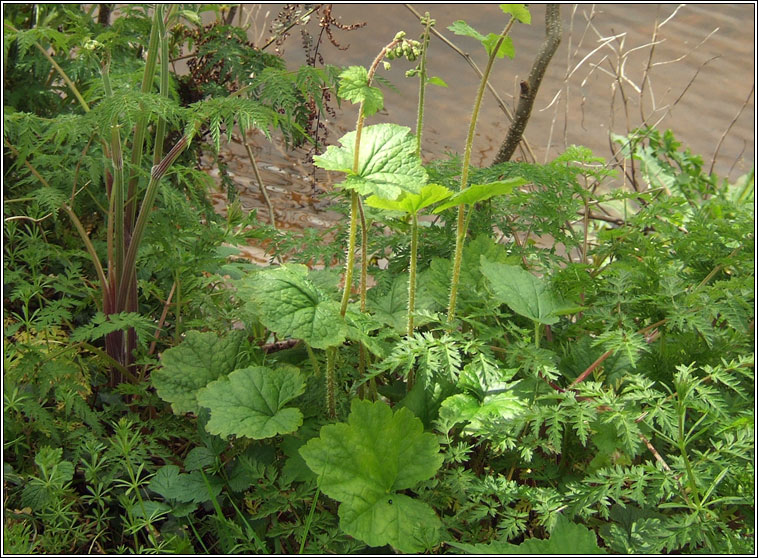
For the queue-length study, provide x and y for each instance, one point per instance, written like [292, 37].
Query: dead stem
[728, 128]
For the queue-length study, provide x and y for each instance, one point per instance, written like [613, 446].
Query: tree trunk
[530, 87]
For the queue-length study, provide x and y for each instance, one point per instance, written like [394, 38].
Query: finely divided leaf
[292, 306]
[364, 463]
[387, 165]
[251, 402]
[355, 88]
[198, 360]
[480, 192]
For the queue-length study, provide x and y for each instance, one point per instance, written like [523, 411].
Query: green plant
[594, 394]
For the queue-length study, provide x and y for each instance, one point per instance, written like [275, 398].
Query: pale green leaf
[506, 47]
[364, 463]
[412, 203]
[434, 80]
[291, 305]
[387, 165]
[524, 293]
[354, 87]
[467, 408]
[198, 360]
[252, 401]
[519, 11]
[462, 28]
[407, 524]
[481, 192]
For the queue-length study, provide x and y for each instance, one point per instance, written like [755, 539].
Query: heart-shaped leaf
[198, 360]
[289, 304]
[480, 192]
[365, 462]
[387, 164]
[251, 402]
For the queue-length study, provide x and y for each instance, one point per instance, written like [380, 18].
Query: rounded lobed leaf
[387, 162]
[292, 306]
[198, 360]
[364, 462]
[251, 402]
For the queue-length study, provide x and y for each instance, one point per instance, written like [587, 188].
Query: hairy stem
[354, 207]
[412, 272]
[460, 228]
[422, 84]
[331, 406]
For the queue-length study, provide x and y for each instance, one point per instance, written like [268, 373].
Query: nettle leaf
[566, 538]
[434, 80]
[354, 87]
[292, 306]
[251, 402]
[480, 192]
[506, 47]
[462, 28]
[524, 293]
[365, 462]
[519, 11]
[183, 487]
[436, 279]
[198, 360]
[387, 165]
[412, 203]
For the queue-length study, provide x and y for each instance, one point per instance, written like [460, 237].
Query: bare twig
[258, 178]
[736, 117]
